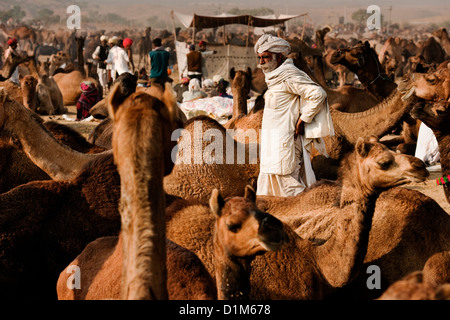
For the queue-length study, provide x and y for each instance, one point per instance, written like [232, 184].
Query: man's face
[267, 61]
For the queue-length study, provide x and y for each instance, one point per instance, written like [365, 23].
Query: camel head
[159, 113]
[433, 86]
[242, 229]
[241, 80]
[435, 115]
[379, 168]
[29, 84]
[354, 58]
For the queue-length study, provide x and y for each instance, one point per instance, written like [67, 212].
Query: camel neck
[142, 210]
[239, 103]
[373, 121]
[57, 160]
[232, 276]
[354, 190]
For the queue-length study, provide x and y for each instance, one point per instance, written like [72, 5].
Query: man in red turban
[11, 51]
[127, 42]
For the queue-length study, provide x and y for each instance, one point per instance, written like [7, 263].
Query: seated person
[222, 89]
[194, 91]
[89, 97]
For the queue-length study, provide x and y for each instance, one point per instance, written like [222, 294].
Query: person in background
[11, 51]
[100, 55]
[89, 97]
[208, 88]
[143, 78]
[205, 54]
[222, 89]
[119, 58]
[194, 91]
[127, 43]
[110, 66]
[159, 62]
[194, 64]
[181, 88]
[296, 115]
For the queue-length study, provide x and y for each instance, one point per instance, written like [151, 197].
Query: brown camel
[100, 264]
[16, 166]
[401, 217]
[431, 283]
[57, 160]
[437, 116]
[207, 157]
[363, 60]
[303, 270]
[69, 83]
[142, 129]
[240, 232]
[346, 98]
[432, 51]
[240, 88]
[444, 40]
[391, 51]
[31, 255]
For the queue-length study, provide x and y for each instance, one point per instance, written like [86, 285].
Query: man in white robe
[296, 114]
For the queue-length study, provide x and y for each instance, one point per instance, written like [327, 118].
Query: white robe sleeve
[311, 93]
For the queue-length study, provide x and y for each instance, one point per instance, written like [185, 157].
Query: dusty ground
[429, 188]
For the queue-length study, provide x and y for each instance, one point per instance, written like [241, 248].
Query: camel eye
[384, 165]
[234, 227]
[431, 80]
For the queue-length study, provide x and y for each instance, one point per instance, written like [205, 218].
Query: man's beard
[269, 66]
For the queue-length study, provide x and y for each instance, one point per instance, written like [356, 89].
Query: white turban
[268, 42]
[103, 38]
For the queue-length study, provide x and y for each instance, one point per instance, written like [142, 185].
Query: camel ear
[362, 148]
[250, 193]
[216, 203]
[114, 100]
[232, 73]
[249, 71]
[3, 94]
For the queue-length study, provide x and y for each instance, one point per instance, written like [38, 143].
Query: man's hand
[299, 128]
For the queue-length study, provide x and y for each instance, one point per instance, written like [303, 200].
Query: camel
[444, 40]
[101, 135]
[432, 51]
[49, 96]
[45, 204]
[57, 160]
[101, 273]
[393, 51]
[240, 232]
[16, 166]
[208, 157]
[436, 116]
[142, 129]
[401, 217]
[240, 88]
[305, 271]
[362, 60]
[431, 283]
[144, 46]
[69, 83]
